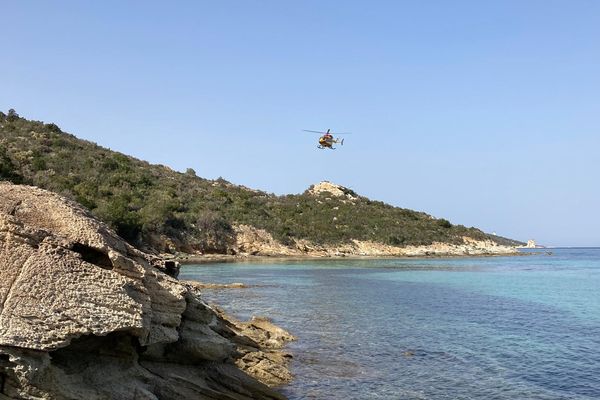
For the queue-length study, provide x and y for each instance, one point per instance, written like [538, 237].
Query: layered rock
[83, 315]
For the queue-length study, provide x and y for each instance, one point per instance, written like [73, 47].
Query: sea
[493, 328]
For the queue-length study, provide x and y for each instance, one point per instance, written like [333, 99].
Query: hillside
[155, 207]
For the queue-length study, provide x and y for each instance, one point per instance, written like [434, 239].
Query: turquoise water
[463, 328]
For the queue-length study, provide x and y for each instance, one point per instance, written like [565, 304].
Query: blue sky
[485, 113]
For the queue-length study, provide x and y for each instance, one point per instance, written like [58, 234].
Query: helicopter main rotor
[328, 132]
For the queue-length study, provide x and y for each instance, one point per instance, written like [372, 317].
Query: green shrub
[215, 234]
[8, 170]
[444, 223]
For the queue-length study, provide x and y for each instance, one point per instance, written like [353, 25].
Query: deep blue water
[462, 328]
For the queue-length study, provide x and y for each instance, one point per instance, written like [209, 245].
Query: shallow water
[462, 328]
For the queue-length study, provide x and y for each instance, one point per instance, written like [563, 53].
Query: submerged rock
[83, 315]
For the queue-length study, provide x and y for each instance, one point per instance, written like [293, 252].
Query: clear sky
[483, 112]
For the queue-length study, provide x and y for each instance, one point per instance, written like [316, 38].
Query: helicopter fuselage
[327, 141]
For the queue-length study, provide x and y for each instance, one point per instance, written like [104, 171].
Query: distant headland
[163, 211]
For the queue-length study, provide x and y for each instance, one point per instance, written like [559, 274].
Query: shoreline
[232, 259]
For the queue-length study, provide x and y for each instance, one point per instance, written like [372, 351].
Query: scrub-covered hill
[155, 207]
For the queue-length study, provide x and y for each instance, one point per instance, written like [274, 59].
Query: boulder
[84, 315]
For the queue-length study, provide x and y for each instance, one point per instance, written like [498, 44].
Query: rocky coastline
[257, 244]
[84, 315]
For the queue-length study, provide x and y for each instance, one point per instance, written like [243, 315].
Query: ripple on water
[502, 328]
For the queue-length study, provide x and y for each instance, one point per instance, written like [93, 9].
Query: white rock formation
[83, 315]
[331, 189]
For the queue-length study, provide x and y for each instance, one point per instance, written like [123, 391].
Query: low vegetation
[144, 202]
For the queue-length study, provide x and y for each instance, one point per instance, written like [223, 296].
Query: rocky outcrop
[83, 315]
[331, 189]
[258, 242]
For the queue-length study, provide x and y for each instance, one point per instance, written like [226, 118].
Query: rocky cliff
[83, 315]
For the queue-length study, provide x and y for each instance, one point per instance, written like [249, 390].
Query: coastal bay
[300, 200]
[476, 328]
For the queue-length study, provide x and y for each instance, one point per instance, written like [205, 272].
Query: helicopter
[326, 141]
